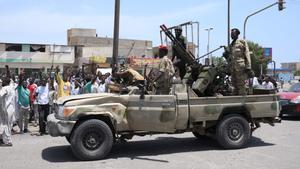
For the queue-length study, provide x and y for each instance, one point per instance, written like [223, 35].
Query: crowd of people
[264, 82]
[29, 99]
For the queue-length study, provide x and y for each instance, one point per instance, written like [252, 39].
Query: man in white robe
[7, 98]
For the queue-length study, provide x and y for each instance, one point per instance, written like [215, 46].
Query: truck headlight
[64, 111]
[60, 111]
[68, 111]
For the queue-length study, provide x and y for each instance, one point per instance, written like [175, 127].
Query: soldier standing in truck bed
[166, 72]
[179, 62]
[239, 61]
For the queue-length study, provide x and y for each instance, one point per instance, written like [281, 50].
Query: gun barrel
[210, 52]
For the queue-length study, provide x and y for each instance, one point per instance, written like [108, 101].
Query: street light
[274, 68]
[208, 40]
[280, 7]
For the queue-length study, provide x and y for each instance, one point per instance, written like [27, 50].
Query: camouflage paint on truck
[92, 122]
[167, 113]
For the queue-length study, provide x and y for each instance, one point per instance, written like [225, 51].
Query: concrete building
[35, 57]
[91, 48]
[294, 66]
[281, 74]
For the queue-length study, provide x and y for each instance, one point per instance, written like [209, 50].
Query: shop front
[35, 60]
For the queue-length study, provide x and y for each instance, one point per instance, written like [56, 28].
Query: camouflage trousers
[163, 90]
[163, 86]
[238, 79]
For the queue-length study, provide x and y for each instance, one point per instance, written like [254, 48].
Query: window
[13, 47]
[37, 48]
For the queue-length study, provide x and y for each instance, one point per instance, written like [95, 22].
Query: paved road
[270, 148]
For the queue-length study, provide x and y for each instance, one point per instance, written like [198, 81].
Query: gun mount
[205, 80]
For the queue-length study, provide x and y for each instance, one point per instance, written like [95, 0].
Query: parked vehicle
[290, 100]
[93, 122]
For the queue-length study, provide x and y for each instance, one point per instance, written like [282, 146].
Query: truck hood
[63, 100]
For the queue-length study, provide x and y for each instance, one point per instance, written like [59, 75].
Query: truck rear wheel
[92, 140]
[233, 132]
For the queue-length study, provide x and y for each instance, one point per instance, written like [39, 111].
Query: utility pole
[208, 41]
[116, 35]
[274, 68]
[228, 21]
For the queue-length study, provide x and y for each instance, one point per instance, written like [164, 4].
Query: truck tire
[233, 132]
[92, 140]
[68, 138]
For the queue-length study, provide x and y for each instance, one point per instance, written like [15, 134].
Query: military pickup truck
[92, 123]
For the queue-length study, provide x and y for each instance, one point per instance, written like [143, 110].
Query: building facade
[35, 57]
[93, 49]
[281, 74]
[294, 66]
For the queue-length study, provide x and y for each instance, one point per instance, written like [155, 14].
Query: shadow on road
[58, 154]
[138, 149]
[258, 142]
[162, 145]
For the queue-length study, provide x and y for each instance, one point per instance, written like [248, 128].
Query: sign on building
[267, 53]
[140, 62]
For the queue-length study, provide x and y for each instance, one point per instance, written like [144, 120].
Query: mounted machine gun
[201, 78]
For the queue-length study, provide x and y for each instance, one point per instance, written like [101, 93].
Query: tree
[257, 58]
[218, 60]
[297, 73]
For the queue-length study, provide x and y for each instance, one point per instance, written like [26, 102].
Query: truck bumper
[58, 127]
[277, 120]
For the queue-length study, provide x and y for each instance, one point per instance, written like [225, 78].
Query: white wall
[9, 57]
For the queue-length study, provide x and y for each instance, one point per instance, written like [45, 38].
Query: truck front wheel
[92, 140]
[233, 132]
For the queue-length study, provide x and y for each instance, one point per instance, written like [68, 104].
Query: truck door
[155, 113]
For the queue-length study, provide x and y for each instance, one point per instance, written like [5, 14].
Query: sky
[47, 21]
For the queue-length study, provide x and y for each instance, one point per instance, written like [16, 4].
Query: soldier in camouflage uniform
[239, 61]
[166, 69]
[179, 62]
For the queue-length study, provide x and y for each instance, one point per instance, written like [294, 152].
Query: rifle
[210, 52]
